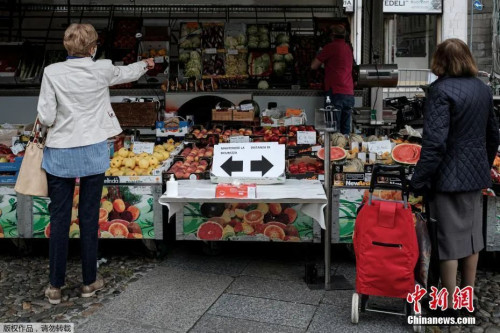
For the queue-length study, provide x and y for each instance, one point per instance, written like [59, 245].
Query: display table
[306, 192]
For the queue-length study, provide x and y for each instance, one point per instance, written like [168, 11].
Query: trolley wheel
[417, 328]
[355, 308]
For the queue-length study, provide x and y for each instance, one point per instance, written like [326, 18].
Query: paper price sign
[239, 139]
[211, 51]
[232, 51]
[306, 138]
[143, 147]
[246, 107]
[159, 60]
[380, 147]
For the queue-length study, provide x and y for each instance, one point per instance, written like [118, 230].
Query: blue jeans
[344, 103]
[61, 201]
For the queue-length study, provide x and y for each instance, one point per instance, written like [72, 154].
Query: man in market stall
[339, 87]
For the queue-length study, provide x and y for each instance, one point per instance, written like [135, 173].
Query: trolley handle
[389, 171]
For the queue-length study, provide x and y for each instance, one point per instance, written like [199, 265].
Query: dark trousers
[61, 201]
[344, 103]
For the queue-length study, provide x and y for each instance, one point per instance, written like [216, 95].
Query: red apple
[282, 140]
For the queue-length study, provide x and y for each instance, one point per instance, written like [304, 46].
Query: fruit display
[243, 221]
[213, 64]
[259, 64]
[406, 153]
[282, 63]
[129, 58]
[125, 31]
[190, 62]
[336, 154]
[212, 36]
[127, 163]
[151, 53]
[305, 165]
[495, 170]
[125, 212]
[258, 37]
[194, 161]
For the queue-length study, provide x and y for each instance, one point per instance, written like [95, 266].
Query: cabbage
[231, 42]
[192, 72]
[253, 45]
[252, 30]
[195, 41]
[263, 45]
[282, 39]
[253, 39]
[263, 30]
[185, 44]
[265, 57]
[278, 57]
[288, 58]
[242, 39]
[259, 70]
[264, 38]
[184, 57]
[194, 55]
[263, 84]
[279, 68]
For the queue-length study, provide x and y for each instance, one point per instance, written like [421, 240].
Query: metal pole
[328, 215]
[471, 22]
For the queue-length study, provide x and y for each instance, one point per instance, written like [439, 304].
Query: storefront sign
[246, 160]
[349, 6]
[413, 6]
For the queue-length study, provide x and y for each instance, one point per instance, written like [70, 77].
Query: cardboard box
[242, 191]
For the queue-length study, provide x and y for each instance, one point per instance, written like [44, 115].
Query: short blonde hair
[453, 58]
[79, 39]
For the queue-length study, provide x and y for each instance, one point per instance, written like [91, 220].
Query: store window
[410, 41]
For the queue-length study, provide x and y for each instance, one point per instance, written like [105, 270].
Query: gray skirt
[459, 219]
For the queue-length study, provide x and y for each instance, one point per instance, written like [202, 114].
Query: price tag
[380, 147]
[239, 139]
[17, 148]
[282, 50]
[232, 51]
[246, 107]
[159, 60]
[143, 147]
[211, 51]
[306, 138]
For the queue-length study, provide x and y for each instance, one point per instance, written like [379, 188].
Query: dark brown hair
[453, 58]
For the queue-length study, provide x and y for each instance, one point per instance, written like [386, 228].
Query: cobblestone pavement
[24, 278]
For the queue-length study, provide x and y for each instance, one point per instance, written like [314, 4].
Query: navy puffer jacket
[460, 137]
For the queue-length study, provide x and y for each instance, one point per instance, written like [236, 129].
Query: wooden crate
[136, 114]
[243, 115]
[222, 115]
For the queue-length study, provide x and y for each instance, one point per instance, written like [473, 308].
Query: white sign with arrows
[249, 160]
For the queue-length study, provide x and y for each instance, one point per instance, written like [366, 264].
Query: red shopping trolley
[385, 244]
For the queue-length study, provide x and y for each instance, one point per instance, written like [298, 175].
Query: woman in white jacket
[74, 104]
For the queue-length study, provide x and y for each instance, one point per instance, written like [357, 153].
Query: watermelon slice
[406, 153]
[336, 154]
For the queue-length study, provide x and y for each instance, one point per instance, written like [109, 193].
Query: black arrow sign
[263, 165]
[231, 166]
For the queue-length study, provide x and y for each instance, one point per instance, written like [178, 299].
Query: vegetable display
[258, 37]
[236, 64]
[190, 35]
[259, 64]
[213, 64]
[191, 60]
[213, 36]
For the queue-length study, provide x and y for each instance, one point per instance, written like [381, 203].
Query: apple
[282, 140]
[179, 175]
[293, 129]
[248, 132]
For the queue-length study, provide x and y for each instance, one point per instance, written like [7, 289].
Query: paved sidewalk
[235, 292]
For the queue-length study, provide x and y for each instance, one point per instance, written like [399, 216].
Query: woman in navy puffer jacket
[460, 142]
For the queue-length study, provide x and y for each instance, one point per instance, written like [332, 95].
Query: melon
[210, 231]
[338, 140]
[406, 153]
[354, 165]
[372, 138]
[274, 232]
[355, 138]
[336, 154]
